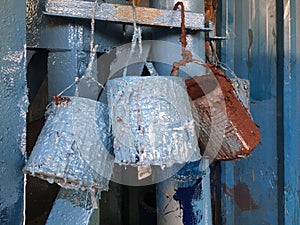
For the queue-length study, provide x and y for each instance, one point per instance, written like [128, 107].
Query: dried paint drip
[151, 121]
[74, 148]
[241, 134]
[242, 87]
[189, 174]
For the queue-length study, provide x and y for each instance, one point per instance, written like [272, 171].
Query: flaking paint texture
[13, 110]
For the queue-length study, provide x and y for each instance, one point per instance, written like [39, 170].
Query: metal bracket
[124, 14]
[210, 27]
[217, 38]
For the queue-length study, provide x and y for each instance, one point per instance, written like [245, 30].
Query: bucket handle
[137, 36]
[151, 69]
[187, 56]
[222, 65]
[93, 50]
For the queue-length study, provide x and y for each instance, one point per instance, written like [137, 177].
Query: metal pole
[187, 202]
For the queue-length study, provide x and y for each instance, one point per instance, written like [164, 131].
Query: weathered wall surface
[263, 46]
[13, 105]
[250, 186]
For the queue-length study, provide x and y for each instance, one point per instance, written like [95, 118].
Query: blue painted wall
[250, 186]
[263, 46]
[291, 111]
[13, 106]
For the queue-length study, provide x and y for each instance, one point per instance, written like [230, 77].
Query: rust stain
[137, 2]
[241, 133]
[119, 119]
[241, 195]
[227, 190]
[59, 100]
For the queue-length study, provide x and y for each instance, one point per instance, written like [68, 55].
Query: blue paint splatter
[185, 195]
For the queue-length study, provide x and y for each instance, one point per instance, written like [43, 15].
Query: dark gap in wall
[36, 72]
[40, 195]
[145, 72]
[127, 205]
[280, 108]
[213, 10]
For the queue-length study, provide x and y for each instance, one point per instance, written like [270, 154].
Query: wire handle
[186, 54]
[222, 65]
[137, 36]
[183, 31]
[151, 68]
[93, 50]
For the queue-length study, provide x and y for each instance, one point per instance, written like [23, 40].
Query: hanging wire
[217, 62]
[137, 36]
[93, 28]
[186, 54]
[93, 51]
[227, 68]
[183, 31]
[89, 69]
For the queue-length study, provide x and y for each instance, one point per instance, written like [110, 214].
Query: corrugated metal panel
[250, 185]
[291, 110]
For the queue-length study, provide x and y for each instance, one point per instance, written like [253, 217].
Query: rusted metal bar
[124, 14]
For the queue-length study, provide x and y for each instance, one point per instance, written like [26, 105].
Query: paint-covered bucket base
[74, 147]
[151, 120]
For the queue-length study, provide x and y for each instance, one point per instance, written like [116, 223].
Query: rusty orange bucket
[240, 134]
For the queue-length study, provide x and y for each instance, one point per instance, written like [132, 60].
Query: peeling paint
[69, 204]
[13, 109]
[123, 13]
[187, 204]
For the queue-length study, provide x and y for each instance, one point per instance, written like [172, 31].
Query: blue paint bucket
[151, 120]
[74, 148]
